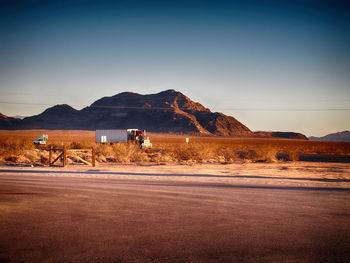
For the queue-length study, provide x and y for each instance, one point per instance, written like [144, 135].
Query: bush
[169, 150]
[120, 153]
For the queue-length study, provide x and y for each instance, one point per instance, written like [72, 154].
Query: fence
[64, 152]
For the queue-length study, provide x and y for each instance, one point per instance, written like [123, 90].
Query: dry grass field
[17, 147]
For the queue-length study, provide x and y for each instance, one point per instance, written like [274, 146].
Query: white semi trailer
[112, 135]
[123, 135]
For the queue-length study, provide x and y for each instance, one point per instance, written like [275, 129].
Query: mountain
[343, 136]
[8, 122]
[284, 135]
[18, 117]
[57, 117]
[167, 111]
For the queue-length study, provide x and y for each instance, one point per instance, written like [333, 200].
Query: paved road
[68, 219]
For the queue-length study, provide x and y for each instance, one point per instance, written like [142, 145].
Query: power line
[171, 109]
[132, 107]
[36, 104]
[247, 109]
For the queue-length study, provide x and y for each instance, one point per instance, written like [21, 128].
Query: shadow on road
[175, 175]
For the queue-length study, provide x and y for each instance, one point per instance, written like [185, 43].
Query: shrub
[170, 150]
[120, 153]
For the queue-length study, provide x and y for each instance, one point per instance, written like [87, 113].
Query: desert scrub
[293, 156]
[217, 153]
[266, 154]
[198, 152]
[17, 151]
[161, 158]
[228, 155]
[80, 145]
[120, 153]
[17, 146]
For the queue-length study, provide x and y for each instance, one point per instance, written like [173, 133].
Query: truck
[41, 140]
[123, 135]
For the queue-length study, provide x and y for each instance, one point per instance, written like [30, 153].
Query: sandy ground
[284, 173]
[252, 212]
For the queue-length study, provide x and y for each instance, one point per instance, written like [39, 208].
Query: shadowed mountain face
[285, 135]
[343, 136]
[8, 122]
[167, 111]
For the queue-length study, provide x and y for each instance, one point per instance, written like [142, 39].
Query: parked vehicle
[41, 140]
[123, 135]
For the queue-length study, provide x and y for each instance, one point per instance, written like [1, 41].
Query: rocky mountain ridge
[343, 136]
[167, 111]
[164, 112]
[285, 135]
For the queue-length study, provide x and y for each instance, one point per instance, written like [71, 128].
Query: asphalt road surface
[70, 219]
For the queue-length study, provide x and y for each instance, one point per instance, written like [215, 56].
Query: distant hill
[343, 136]
[285, 135]
[167, 111]
[18, 117]
[8, 122]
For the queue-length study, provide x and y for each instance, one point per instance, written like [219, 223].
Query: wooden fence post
[50, 155]
[93, 156]
[64, 156]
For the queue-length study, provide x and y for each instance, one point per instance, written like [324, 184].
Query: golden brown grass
[17, 147]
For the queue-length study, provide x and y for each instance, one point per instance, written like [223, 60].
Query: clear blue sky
[273, 65]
